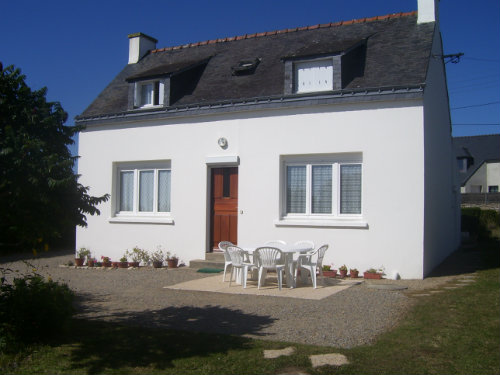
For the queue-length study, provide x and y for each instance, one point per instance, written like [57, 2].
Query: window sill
[322, 222]
[141, 220]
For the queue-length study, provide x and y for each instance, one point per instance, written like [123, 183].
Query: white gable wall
[388, 135]
[442, 197]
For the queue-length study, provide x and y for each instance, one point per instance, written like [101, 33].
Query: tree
[40, 196]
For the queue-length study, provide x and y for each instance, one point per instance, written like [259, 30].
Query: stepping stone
[420, 295]
[332, 359]
[436, 291]
[279, 352]
[451, 287]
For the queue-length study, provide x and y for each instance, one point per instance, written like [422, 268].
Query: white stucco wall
[442, 198]
[493, 174]
[389, 136]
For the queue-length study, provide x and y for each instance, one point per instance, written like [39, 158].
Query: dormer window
[148, 94]
[312, 76]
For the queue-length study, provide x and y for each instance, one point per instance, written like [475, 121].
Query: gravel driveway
[136, 296]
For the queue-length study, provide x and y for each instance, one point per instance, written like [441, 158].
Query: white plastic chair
[268, 258]
[227, 260]
[312, 261]
[238, 257]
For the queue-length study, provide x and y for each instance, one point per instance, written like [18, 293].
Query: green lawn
[456, 331]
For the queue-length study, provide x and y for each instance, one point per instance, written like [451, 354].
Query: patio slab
[216, 285]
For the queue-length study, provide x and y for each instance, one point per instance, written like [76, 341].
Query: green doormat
[210, 270]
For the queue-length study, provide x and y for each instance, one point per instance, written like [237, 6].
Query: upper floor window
[315, 75]
[149, 93]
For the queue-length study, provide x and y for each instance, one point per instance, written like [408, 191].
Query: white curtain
[126, 190]
[321, 189]
[146, 190]
[296, 189]
[164, 191]
[350, 189]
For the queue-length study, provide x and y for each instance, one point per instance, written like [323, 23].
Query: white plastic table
[288, 251]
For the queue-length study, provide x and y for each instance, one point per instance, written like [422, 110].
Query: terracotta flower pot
[106, 264]
[172, 263]
[123, 264]
[343, 273]
[331, 273]
[372, 275]
[115, 264]
[354, 274]
[79, 262]
[133, 264]
[90, 263]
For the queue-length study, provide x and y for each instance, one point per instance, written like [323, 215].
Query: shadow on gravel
[210, 319]
[99, 346]
[470, 258]
[29, 255]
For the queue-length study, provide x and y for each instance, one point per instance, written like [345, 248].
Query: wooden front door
[224, 206]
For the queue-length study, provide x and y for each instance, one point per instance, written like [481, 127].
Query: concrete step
[202, 263]
[215, 256]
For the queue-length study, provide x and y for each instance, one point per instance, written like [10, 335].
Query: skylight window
[245, 67]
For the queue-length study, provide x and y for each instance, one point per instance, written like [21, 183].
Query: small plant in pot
[157, 258]
[172, 260]
[328, 272]
[91, 262]
[343, 271]
[123, 262]
[354, 273]
[106, 261]
[137, 255]
[372, 273]
[81, 255]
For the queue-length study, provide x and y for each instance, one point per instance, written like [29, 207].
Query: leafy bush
[32, 309]
[479, 222]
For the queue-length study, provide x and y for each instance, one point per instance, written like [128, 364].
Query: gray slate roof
[479, 148]
[397, 55]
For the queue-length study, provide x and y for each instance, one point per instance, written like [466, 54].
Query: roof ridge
[284, 31]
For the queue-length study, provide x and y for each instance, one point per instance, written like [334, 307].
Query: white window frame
[155, 94]
[298, 64]
[135, 215]
[333, 219]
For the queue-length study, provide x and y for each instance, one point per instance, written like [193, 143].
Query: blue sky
[75, 47]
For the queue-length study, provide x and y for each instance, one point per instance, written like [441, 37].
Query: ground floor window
[143, 189]
[322, 187]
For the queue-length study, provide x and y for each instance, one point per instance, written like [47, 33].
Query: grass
[455, 331]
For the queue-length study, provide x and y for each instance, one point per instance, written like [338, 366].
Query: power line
[476, 105]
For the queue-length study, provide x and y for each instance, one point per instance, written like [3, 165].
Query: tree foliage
[40, 196]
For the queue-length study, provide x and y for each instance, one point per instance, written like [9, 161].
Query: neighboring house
[337, 133]
[478, 161]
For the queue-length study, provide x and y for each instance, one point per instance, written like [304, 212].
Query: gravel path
[136, 296]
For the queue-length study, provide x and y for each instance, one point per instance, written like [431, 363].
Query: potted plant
[123, 262]
[81, 255]
[328, 272]
[91, 262]
[354, 273]
[343, 271]
[137, 255]
[372, 273]
[106, 261]
[172, 260]
[157, 258]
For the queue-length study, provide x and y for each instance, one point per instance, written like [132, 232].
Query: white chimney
[428, 11]
[139, 45]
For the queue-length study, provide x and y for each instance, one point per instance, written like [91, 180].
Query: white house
[478, 159]
[337, 133]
